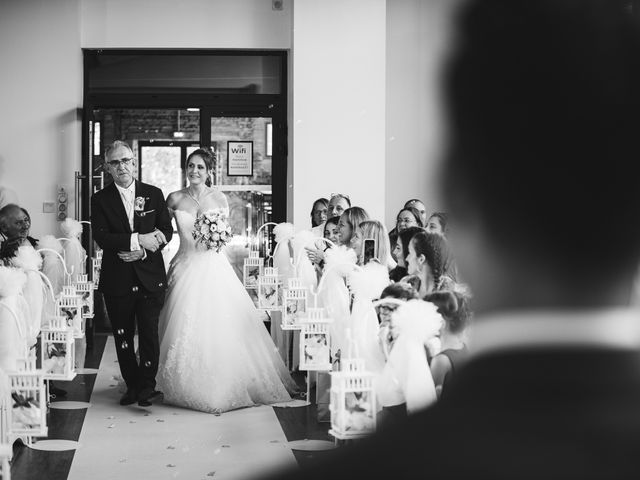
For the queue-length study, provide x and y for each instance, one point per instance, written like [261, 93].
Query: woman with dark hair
[454, 308]
[419, 206]
[215, 354]
[400, 252]
[428, 258]
[437, 223]
[408, 217]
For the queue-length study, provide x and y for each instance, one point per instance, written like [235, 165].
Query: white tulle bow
[27, 258]
[71, 228]
[12, 281]
[416, 322]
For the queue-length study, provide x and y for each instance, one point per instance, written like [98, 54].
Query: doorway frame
[212, 104]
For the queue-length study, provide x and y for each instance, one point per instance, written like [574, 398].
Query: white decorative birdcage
[57, 350]
[269, 291]
[252, 269]
[352, 401]
[96, 266]
[69, 305]
[295, 302]
[315, 340]
[28, 413]
[84, 288]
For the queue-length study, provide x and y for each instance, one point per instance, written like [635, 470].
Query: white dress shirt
[128, 196]
[617, 328]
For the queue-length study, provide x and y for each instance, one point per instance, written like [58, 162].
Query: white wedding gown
[215, 352]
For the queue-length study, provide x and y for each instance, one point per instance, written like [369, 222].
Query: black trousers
[141, 308]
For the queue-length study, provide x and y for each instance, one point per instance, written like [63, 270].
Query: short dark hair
[553, 131]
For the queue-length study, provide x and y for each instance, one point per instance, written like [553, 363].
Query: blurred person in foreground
[543, 104]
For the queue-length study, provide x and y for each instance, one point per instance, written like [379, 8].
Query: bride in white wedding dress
[215, 353]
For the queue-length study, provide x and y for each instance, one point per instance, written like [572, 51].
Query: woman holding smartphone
[370, 240]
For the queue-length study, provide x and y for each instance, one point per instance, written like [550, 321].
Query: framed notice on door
[239, 159]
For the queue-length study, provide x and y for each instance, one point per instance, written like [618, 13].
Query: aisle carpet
[169, 442]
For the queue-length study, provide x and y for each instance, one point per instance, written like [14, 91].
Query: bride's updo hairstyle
[207, 156]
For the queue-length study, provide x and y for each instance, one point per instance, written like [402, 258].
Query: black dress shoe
[129, 398]
[146, 397]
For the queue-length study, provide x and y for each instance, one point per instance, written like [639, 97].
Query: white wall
[185, 24]
[40, 92]
[338, 103]
[417, 34]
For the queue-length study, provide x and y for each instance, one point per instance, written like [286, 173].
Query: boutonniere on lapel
[138, 206]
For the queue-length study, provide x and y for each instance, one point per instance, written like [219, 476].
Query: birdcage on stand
[353, 401]
[295, 302]
[315, 340]
[269, 290]
[85, 288]
[252, 269]
[69, 305]
[58, 350]
[96, 266]
[28, 413]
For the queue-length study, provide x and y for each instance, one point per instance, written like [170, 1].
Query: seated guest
[536, 150]
[373, 229]
[408, 217]
[338, 203]
[437, 223]
[405, 385]
[316, 252]
[420, 207]
[399, 291]
[331, 231]
[453, 306]
[319, 216]
[349, 221]
[426, 259]
[15, 224]
[401, 250]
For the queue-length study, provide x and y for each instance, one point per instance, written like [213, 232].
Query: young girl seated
[453, 306]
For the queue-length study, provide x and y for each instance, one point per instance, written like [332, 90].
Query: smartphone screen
[369, 249]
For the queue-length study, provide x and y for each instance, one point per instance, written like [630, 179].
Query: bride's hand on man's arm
[152, 240]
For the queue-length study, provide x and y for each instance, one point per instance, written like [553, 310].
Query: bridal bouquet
[212, 229]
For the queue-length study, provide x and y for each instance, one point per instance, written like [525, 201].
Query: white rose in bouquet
[204, 229]
[215, 237]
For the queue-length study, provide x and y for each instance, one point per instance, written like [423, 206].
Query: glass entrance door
[243, 146]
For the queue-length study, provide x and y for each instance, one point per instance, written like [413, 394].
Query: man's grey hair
[115, 144]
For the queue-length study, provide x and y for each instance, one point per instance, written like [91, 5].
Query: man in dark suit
[131, 223]
[543, 116]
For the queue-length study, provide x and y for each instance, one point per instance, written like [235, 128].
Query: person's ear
[421, 260]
